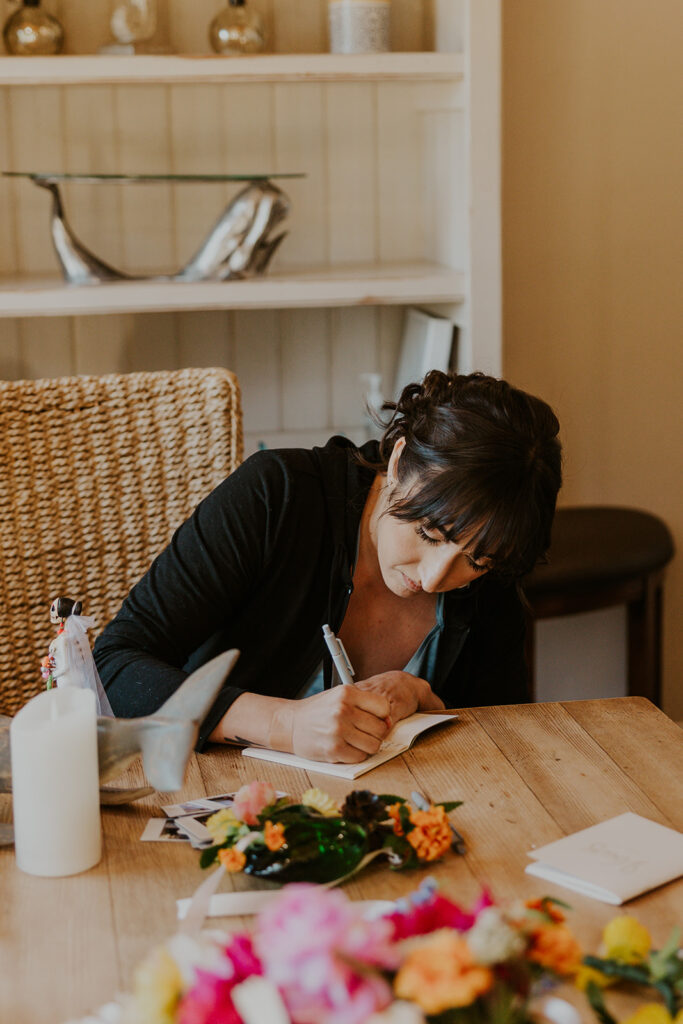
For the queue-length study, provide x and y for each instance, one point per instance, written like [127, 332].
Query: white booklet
[400, 739]
[614, 861]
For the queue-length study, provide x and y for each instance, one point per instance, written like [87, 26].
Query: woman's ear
[392, 468]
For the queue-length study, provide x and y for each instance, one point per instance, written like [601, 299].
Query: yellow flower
[586, 974]
[626, 939]
[232, 859]
[440, 973]
[321, 802]
[219, 823]
[157, 989]
[654, 1013]
[274, 836]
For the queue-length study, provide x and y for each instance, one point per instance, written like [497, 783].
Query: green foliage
[597, 1001]
[317, 849]
[209, 856]
[401, 853]
[320, 848]
[661, 971]
[450, 805]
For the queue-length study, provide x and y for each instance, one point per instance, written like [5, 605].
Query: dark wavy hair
[482, 461]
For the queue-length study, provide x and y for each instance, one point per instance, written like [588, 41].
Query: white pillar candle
[359, 26]
[55, 783]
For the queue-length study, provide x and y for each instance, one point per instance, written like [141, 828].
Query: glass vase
[237, 29]
[32, 32]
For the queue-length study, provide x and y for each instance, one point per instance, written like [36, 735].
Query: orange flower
[546, 907]
[392, 811]
[440, 973]
[232, 859]
[274, 836]
[431, 836]
[554, 947]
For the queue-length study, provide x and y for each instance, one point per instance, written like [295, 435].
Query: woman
[409, 548]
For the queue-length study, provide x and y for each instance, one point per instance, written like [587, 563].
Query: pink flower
[434, 913]
[209, 1001]
[240, 952]
[310, 941]
[250, 800]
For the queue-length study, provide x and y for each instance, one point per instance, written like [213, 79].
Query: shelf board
[358, 285]
[314, 67]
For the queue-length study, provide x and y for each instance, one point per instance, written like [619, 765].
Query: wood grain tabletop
[528, 774]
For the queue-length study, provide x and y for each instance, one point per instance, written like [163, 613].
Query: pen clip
[345, 656]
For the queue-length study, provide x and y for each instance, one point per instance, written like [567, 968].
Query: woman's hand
[406, 693]
[346, 723]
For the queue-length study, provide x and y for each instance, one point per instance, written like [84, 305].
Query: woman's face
[414, 558]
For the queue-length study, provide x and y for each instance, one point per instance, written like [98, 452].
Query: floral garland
[314, 958]
[314, 840]
[321, 962]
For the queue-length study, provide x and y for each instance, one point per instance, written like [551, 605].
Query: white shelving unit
[400, 206]
[289, 67]
[306, 289]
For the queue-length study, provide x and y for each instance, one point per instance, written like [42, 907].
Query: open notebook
[400, 739]
[614, 861]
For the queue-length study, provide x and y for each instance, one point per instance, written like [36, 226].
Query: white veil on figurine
[69, 661]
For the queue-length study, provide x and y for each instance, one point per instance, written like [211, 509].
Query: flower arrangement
[318, 960]
[627, 956]
[314, 840]
[315, 957]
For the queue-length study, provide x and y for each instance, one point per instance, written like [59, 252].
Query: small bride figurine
[69, 660]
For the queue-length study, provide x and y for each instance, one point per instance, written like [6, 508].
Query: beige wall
[593, 299]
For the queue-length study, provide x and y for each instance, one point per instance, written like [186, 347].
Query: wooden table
[527, 774]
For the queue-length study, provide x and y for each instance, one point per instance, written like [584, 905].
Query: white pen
[339, 656]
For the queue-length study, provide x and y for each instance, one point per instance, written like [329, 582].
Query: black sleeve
[191, 590]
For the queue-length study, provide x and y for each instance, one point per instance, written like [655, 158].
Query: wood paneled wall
[373, 192]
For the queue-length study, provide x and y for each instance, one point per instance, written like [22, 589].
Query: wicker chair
[95, 475]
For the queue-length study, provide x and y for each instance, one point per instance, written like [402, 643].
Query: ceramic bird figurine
[165, 739]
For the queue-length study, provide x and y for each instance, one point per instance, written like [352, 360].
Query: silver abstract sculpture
[165, 739]
[239, 245]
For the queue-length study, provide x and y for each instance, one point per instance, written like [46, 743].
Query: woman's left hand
[406, 693]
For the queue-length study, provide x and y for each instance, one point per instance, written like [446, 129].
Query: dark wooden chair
[602, 556]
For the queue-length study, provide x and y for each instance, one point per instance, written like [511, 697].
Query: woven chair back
[95, 475]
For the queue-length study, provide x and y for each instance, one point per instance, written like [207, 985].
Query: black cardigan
[260, 565]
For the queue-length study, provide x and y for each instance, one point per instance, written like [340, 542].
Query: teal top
[421, 664]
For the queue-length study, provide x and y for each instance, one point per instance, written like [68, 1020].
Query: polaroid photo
[192, 825]
[163, 830]
[207, 803]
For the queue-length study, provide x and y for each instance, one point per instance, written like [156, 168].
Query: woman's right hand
[344, 724]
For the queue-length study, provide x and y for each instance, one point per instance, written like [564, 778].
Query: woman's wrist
[254, 718]
[281, 731]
